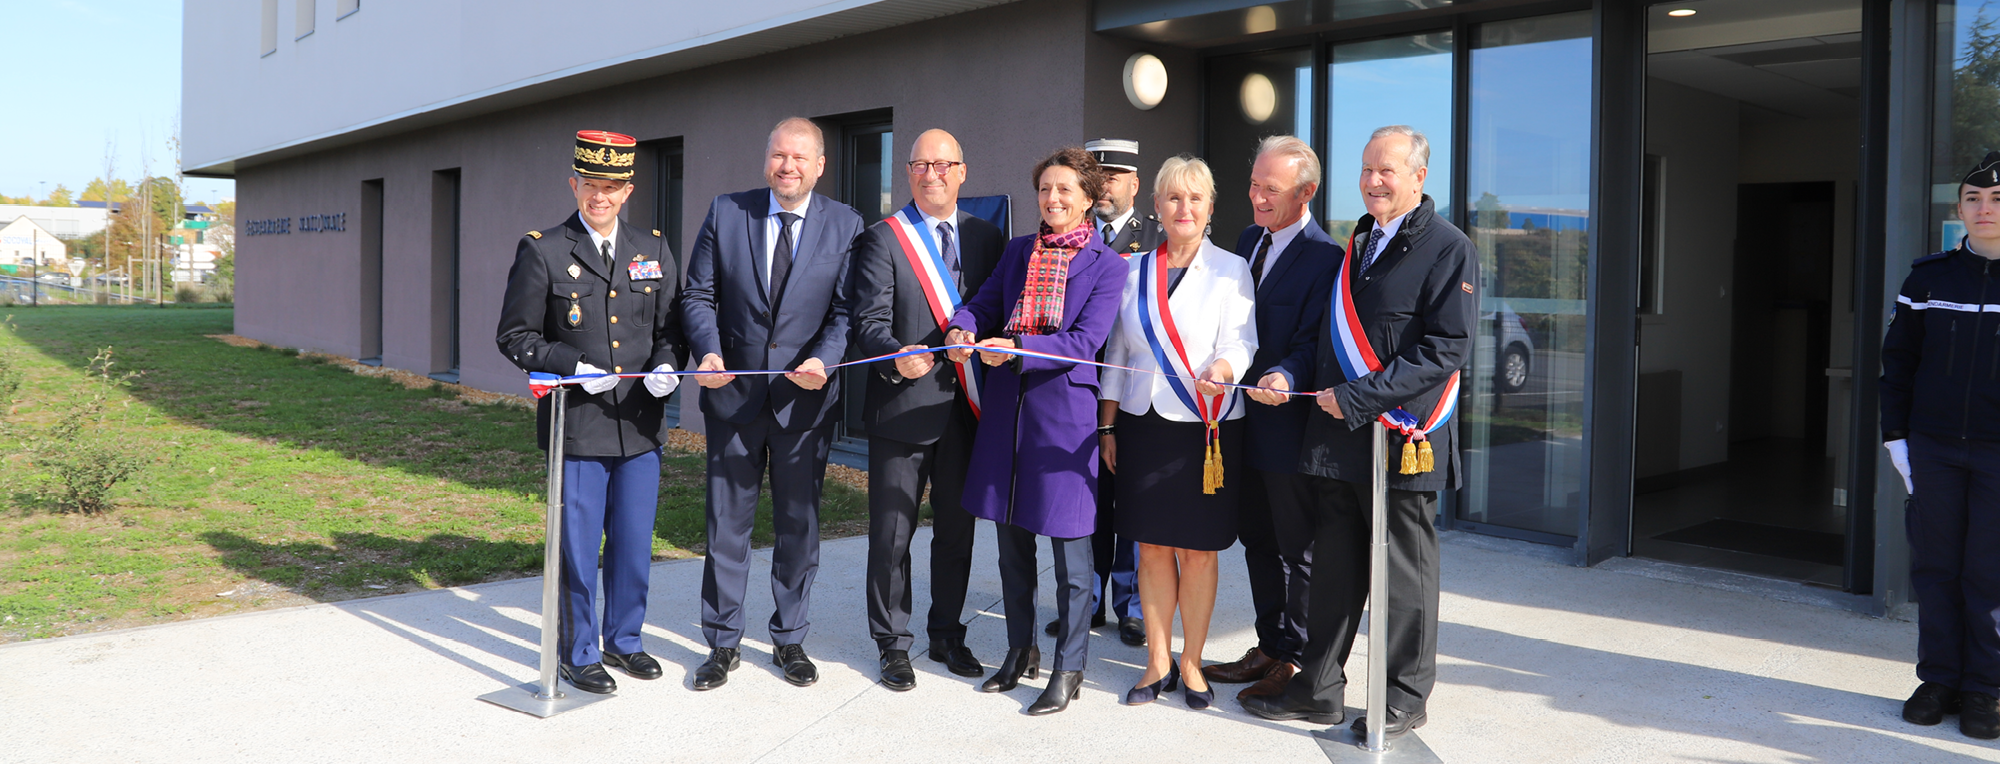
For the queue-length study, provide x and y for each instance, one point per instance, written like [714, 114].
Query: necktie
[781, 255]
[950, 249]
[1376, 239]
[1109, 234]
[1257, 263]
[608, 262]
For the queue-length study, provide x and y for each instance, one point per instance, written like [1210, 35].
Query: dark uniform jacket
[1941, 357]
[622, 325]
[890, 312]
[1298, 283]
[1141, 233]
[1417, 304]
[728, 312]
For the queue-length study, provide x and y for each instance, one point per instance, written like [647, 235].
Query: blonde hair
[1302, 155]
[798, 126]
[1185, 173]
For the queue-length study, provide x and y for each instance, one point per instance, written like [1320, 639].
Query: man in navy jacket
[767, 289]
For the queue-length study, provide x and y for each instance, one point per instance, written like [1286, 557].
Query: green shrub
[85, 465]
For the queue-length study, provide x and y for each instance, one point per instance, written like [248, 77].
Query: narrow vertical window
[269, 43]
[345, 8]
[302, 20]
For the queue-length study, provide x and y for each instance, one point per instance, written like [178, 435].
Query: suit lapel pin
[575, 271]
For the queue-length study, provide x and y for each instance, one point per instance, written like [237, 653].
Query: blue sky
[88, 72]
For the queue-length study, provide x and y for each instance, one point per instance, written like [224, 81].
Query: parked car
[1510, 346]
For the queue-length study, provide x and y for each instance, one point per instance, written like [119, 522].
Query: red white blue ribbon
[1156, 317]
[1357, 357]
[941, 291]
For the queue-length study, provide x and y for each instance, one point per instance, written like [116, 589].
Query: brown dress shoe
[1272, 684]
[1250, 668]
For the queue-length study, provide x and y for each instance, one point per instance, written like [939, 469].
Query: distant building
[25, 242]
[61, 222]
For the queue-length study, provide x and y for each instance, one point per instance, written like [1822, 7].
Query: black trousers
[1338, 514]
[1954, 529]
[897, 474]
[737, 456]
[1273, 509]
[1017, 593]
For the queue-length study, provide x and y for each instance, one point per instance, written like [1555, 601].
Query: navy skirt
[1159, 483]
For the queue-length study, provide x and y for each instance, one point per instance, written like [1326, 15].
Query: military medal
[575, 272]
[575, 313]
[642, 269]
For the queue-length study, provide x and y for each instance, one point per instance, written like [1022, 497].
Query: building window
[302, 21]
[1251, 97]
[269, 44]
[863, 149]
[1652, 236]
[1968, 92]
[445, 271]
[345, 8]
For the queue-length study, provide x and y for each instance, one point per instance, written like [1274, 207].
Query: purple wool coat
[1035, 459]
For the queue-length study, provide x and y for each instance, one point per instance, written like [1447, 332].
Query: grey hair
[1420, 147]
[1290, 147]
[799, 125]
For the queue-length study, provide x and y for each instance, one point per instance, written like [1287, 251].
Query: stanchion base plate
[522, 698]
[1343, 747]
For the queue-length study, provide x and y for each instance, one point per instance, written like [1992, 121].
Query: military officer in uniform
[1127, 233]
[1941, 425]
[592, 296]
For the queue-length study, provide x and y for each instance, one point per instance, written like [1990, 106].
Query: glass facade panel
[1528, 169]
[1967, 124]
[1250, 97]
[871, 175]
[1396, 81]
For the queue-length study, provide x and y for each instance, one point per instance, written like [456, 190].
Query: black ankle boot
[1063, 688]
[1020, 660]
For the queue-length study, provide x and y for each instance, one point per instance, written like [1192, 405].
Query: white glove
[598, 385]
[662, 385]
[1899, 455]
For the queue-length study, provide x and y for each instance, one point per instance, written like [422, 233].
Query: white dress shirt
[597, 240]
[771, 230]
[1117, 224]
[1388, 232]
[1280, 239]
[1215, 310]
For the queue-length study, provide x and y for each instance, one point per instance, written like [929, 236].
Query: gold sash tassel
[1211, 466]
[1409, 465]
[1426, 461]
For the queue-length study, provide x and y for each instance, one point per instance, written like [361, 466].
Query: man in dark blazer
[594, 296]
[911, 272]
[1411, 276]
[767, 289]
[1292, 261]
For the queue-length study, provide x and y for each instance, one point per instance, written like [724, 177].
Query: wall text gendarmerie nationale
[330, 222]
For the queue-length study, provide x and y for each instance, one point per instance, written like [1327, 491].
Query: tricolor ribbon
[941, 291]
[1156, 317]
[1357, 359]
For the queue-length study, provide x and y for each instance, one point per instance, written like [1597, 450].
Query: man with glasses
[911, 272]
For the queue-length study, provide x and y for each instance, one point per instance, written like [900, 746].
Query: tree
[98, 190]
[1975, 96]
[61, 197]
[222, 234]
[166, 199]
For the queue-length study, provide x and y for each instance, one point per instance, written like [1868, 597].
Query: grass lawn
[275, 479]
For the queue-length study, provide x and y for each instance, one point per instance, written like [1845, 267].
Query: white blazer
[1215, 308]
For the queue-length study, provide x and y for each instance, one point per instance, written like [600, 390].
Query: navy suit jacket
[726, 309]
[1300, 280]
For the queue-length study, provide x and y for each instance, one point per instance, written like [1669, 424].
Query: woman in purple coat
[1034, 460]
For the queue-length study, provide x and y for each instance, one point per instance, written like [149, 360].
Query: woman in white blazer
[1188, 310]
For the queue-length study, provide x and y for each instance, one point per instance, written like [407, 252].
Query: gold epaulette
[534, 234]
[656, 233]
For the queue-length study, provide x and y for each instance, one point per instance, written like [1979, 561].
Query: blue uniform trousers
[737, 457]
[1115, 560]
[608, 502]
[1954, 530]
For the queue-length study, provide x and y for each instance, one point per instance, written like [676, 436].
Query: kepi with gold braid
[607, 155]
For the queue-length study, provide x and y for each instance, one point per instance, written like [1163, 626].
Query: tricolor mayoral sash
[1170, 352]
[1358, 359]
[920, 248]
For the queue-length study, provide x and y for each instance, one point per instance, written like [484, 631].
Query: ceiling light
[1681, 13]
[1145, 80]
[1259, 98]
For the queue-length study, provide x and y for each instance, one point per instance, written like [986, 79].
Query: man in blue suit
[767, 289]
[1292, 263]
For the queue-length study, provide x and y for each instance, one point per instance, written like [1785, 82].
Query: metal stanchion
[1340, 743]
[546, 698]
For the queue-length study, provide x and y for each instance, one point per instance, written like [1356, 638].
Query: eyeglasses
[920, 167]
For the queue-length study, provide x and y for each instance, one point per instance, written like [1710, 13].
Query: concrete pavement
[1539, 663]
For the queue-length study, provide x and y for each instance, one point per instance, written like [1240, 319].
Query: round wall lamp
[1681, 13]
[1258, 97]
[1145, 80]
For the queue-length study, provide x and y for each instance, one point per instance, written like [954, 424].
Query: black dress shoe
[591, 678]
[714, 672]
[1132, 631]
[1063, 688]
[896, 671]
[1024, 660]
[639, 664]
[1055, 627]
[952, 652]
[1399, 722]
[1929, 704]
[1978, 716]
[1283, 709]
[791, 661]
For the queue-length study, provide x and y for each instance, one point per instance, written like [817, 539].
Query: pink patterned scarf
[1040, 310]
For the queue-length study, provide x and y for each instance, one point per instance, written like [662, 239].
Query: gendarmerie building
[1693, 215]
